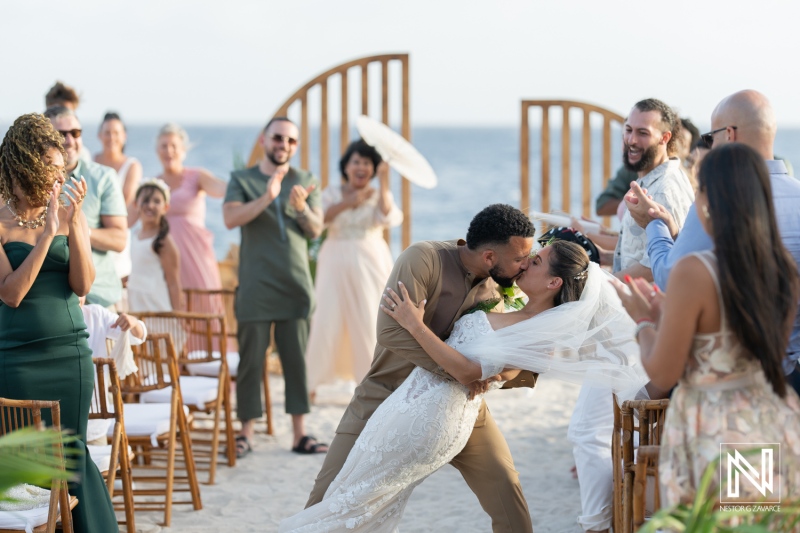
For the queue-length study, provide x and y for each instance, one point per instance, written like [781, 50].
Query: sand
[272, 483]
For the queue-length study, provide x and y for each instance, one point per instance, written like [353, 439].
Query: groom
[453, 276]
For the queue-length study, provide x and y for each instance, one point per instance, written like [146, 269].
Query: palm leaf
[26, 456]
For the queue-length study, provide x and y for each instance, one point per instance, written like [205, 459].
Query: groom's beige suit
[433, 270]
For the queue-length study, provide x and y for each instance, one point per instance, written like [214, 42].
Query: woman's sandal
[243, 446]
[305, 447]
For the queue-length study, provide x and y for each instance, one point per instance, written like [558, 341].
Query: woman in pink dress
[354, 264]
[187, 210]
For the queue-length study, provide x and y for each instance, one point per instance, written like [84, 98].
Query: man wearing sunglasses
[104, 207]
[647, 143]
[277, 208]
[746, 117]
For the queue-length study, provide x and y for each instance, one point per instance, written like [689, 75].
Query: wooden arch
[608, 118]
[343, 113]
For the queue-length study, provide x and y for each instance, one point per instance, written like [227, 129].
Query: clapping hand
[641, 299]
[298, 196]
[52, 222]
[402, 309]
[75, 191]
[274, 183]
[644, 209]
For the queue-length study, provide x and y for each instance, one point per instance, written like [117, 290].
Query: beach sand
[272, 483]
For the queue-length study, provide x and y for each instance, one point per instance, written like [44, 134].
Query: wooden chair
[18, 414]
[196, 336]
[645, 420]
[645, 471]
[155, 430]
[223, 300]
[107, 405]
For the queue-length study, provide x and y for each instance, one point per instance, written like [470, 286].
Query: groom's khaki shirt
[430, 270]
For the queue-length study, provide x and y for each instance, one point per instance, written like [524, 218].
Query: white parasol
[397, 152]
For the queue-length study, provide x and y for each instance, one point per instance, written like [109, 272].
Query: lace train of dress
[421, 427]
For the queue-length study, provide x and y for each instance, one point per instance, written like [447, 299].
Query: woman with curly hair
[45, 265]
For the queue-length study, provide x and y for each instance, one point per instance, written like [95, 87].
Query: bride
[573, 327]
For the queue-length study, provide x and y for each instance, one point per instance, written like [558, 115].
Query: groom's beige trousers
[432, 270]
[485, 463]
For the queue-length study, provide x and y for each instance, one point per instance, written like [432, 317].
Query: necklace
[24, 222]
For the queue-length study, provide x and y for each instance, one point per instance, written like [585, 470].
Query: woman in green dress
[45, 264]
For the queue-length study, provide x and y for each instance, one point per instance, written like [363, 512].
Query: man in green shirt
[104, 208]
[277, 207]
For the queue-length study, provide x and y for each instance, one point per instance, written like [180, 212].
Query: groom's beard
[501, 280]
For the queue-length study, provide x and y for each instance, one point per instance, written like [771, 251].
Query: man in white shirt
[647, 140]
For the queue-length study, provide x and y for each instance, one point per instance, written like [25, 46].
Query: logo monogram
[739, 476]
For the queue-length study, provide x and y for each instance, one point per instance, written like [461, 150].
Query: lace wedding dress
[421, 427]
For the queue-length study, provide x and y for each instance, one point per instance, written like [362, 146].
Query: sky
[236, 61]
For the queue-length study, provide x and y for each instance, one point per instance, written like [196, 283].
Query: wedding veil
[586, 341]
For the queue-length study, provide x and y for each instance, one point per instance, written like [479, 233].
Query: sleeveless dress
[418, 429]
[147, 287]
[724, 397]
[44, 355]
[187, 225]
[122, 260]
[352, 268]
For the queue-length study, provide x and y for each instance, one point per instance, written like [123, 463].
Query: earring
[706, 213]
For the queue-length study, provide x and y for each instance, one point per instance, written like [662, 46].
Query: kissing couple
[421, 405]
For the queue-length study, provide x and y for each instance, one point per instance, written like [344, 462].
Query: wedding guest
[113, 137]
[187, 215]
[104, 208]
[61, 94]
[277, 208]
[154, 283]
[352, 268]
[45, 264]
[721, 333]
[746, 117]
[646, 143]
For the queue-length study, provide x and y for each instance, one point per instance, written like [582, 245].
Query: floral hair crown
[158, 183]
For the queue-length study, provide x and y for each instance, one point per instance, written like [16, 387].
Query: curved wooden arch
[608, 118]
[323, 151]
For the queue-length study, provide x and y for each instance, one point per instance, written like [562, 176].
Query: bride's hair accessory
[582, 274]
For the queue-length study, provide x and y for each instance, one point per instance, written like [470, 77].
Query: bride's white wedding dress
[427, 421]
[421, 427]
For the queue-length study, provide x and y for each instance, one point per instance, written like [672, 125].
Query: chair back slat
[567, 185]
[198, 337]
[107, 398]
[214, 302]
[315, 95]
[155, 358]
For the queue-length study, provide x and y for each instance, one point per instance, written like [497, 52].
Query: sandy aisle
[272, 483]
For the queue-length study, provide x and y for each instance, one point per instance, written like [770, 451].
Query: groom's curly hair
[496, 224]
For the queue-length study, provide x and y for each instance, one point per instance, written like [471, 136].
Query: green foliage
[703, 515]
[26, 456]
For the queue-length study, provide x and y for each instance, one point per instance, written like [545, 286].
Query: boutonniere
[512, 299]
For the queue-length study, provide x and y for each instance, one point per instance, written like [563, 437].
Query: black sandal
[243, 446]
[303, 447]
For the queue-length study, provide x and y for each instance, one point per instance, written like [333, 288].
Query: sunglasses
[708, 138]
[76, 133]
[277, 137]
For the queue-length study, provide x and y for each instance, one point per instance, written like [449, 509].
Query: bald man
[748, 118]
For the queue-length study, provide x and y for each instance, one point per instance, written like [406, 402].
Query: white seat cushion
[98, 428]
[101, 456]
[212, 369]
[29, 509]
[195, 390]
[146, 419]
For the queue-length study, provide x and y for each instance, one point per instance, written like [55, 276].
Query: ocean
[476, 166]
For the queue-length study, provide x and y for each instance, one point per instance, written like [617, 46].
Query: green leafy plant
[26, 456]
[703, 515]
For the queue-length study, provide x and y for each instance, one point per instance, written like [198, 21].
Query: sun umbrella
[397, 152]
